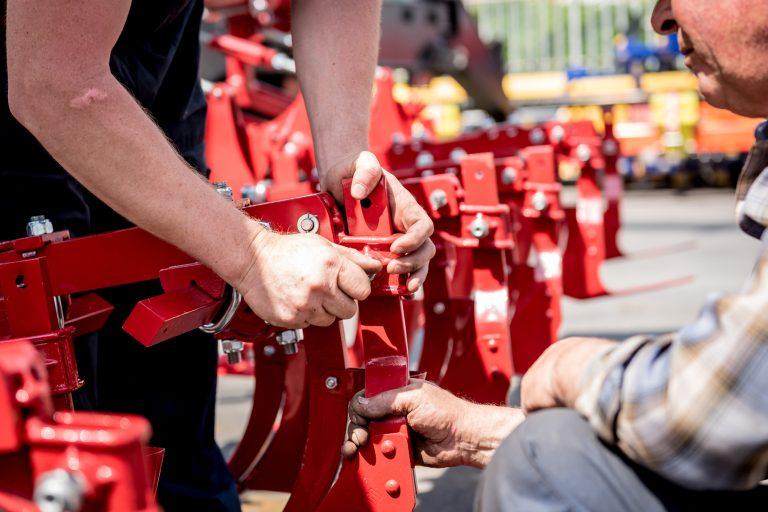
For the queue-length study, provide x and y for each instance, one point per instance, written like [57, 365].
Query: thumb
[367, 175]
[370, 265]
[397, 402]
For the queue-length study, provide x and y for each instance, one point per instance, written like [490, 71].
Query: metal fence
[549, 35]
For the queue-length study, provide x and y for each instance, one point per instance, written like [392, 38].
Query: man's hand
[554, 380]
[415, 246]
[295, 281]
[447, 431]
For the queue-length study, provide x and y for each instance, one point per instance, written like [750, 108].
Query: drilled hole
[20, 281]
[366, 203]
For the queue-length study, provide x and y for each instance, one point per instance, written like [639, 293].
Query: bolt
[439, 308]
[479, 228]
[398, 138]
[583, 153]
[493, 345]
[610, 148]
[438, 199]
[508, 175]
[269, 350]
[557, 134]
[308, 223]
[331, 383]
[457, 154]
[392, 487]
[233, 350]
[58, 491]
[218, 93]
[424, 159]
[539, 201]
[388, 448]
[223, 189]
[537, 136]
[289, 340]
[39, 225]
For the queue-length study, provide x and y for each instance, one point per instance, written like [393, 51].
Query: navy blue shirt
[156, 58]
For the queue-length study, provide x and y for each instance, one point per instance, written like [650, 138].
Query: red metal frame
[105, 455]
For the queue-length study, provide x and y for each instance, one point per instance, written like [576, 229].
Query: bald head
[725, 43]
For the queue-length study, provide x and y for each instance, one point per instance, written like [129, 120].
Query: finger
[398, 402]
[367, 175]
[357, 434]
[349, 449]
[321, 318]
[357, 419]
[417, 279]
[370, 265]
[353, 281]
[419, 229]
[413, 261]
[340, 305]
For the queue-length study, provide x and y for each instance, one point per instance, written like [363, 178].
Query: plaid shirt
[693, 405]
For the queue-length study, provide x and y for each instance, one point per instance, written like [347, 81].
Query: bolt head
[331, 383]
[308, 223]
[539, 201]
[537, 136]
[508, 175]
[610, 148]
[583, 153]
[388, 448]
[557, 134]
[438, 308]
[479, 228]
[39, 225]
[424, 159]
[269, 350]
[457, 154]
[438, 199]
[392, 487]
[58, 490]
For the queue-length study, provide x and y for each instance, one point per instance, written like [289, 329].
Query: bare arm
[336, 46]
[61, 89]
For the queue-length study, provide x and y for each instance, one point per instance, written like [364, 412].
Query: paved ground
[718, 256]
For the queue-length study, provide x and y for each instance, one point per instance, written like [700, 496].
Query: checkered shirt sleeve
[692, 405]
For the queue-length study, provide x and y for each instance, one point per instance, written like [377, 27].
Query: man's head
[725, 43]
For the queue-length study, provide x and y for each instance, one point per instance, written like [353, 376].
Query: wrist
[334, 168]
[483, 429]
[249, 254]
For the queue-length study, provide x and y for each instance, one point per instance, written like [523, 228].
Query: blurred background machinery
[475, 62]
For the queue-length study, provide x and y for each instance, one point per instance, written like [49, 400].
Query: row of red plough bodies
[506, 248]
[490, 306]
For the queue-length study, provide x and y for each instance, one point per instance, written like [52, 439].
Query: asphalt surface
[666, 235]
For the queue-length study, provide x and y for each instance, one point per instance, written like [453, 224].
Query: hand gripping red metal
[380, 477]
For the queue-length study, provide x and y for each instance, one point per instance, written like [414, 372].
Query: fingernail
[358, 191]
[362, 400]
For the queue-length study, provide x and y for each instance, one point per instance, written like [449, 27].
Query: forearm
[486, 427]
[101, 136]
[336, 48]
